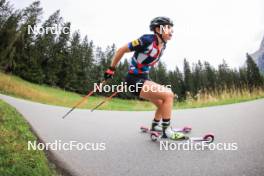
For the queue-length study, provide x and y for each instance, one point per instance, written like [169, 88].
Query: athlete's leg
[155, 92]
[162, 96]
[158, 116]
[158, 103]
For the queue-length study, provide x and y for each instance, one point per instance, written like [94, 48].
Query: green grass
[15, 158]
[226, 97]
[17, 87]
[185, 105]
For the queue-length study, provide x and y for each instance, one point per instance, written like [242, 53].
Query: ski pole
[83, 99]
[105, 100]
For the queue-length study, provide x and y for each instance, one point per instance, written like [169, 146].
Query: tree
[253, 75]
[27, 59]
[48, 49]
[198, 81]
[243, 78]
[177, 83]
[160, 73]
[188, 78]
[9, 34]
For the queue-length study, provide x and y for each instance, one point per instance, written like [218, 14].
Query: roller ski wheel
[186, 129]
[144, 129]
[154, 136]
[208, 138]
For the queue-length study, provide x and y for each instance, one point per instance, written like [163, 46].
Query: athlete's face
[167, 33]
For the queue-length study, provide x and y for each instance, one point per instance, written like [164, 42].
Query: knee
[169, 96]
[158, 102]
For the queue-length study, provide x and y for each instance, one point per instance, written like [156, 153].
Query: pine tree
[47, 46]
[243, 78]
[9, 35]
[224, 79]
[198, 77]
[188, 79]
[253, 75]
[27, 59]
[210, 77]
[63, 58]
[177, 83]
[161, 76]
[87, 77]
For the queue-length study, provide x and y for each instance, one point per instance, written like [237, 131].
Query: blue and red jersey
[146, 54]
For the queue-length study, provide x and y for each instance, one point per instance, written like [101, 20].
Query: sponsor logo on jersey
[135, 43]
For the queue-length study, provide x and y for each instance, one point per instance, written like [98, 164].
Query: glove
[109, 73]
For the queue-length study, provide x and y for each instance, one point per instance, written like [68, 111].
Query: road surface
[123, 150]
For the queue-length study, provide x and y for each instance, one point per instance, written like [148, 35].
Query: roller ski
[185, 129]
[171, 133]
[164, 130]
[157, 136]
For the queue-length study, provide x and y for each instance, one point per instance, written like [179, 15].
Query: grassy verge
[15, 86]
[226, 97]
[15, 158]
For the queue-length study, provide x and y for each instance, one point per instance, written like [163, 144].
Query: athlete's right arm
[119, 54]
[135, 45]
[109, 73]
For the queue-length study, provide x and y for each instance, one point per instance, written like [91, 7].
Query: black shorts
[135, 83]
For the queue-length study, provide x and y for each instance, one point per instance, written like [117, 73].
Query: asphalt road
[129, 152]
